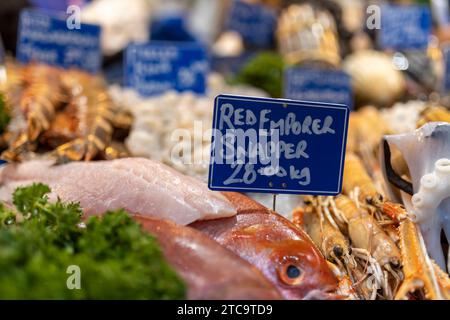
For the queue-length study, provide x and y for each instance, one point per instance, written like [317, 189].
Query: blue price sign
[405, 27]
[277, 146]
[57, 5]
[254, 22]
[46, 38]
[318, 85]
[155, 67]
[446, 79]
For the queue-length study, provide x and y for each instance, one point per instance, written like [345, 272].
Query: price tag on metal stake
[277, 146]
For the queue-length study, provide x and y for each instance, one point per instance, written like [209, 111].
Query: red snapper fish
[209, 270]
[274, 245]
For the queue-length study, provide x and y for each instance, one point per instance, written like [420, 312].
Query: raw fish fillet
[135, 184]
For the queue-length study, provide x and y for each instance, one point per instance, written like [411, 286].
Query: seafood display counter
[104, 190]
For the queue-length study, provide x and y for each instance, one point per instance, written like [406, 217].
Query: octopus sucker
[434, 196]
[427, 154]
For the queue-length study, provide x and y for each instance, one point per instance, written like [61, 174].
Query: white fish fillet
[137, 185]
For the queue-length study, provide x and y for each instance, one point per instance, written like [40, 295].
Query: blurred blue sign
[405, 27]
[446, 84]
[155, 67]
[254, 22]
[46, 38]
[319, 85]
[277, 146]
[171, 27]
[57, 5]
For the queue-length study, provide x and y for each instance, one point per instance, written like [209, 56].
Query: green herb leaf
[4, 115]
[117, 259]
[264, 71]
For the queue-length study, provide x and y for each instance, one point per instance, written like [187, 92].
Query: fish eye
[290, 273]
[293, 272]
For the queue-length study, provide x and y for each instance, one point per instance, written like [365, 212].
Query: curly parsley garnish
[39, 240]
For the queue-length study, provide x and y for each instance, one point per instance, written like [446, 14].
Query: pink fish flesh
[138, 185]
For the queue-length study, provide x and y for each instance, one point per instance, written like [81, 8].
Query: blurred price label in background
[45, 37]
[254, 22]
[57, 5]
[316, 85]
[446, 78]
[405, 27]
[277, 146]
[156, 67]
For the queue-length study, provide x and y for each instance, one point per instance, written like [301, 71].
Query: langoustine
[362, 168]
[417, 276]
[433, 114]
[283, 253]
[135, 184]
[95, 117]
[36, 106]
[209, 270]
[365, 233]
[353, 240]
[420, 272]
[357, 180]
[323, 231]
[69, 111]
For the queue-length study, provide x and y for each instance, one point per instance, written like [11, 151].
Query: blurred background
[324, 33]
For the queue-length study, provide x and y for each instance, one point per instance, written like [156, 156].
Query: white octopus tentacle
[430, 206]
